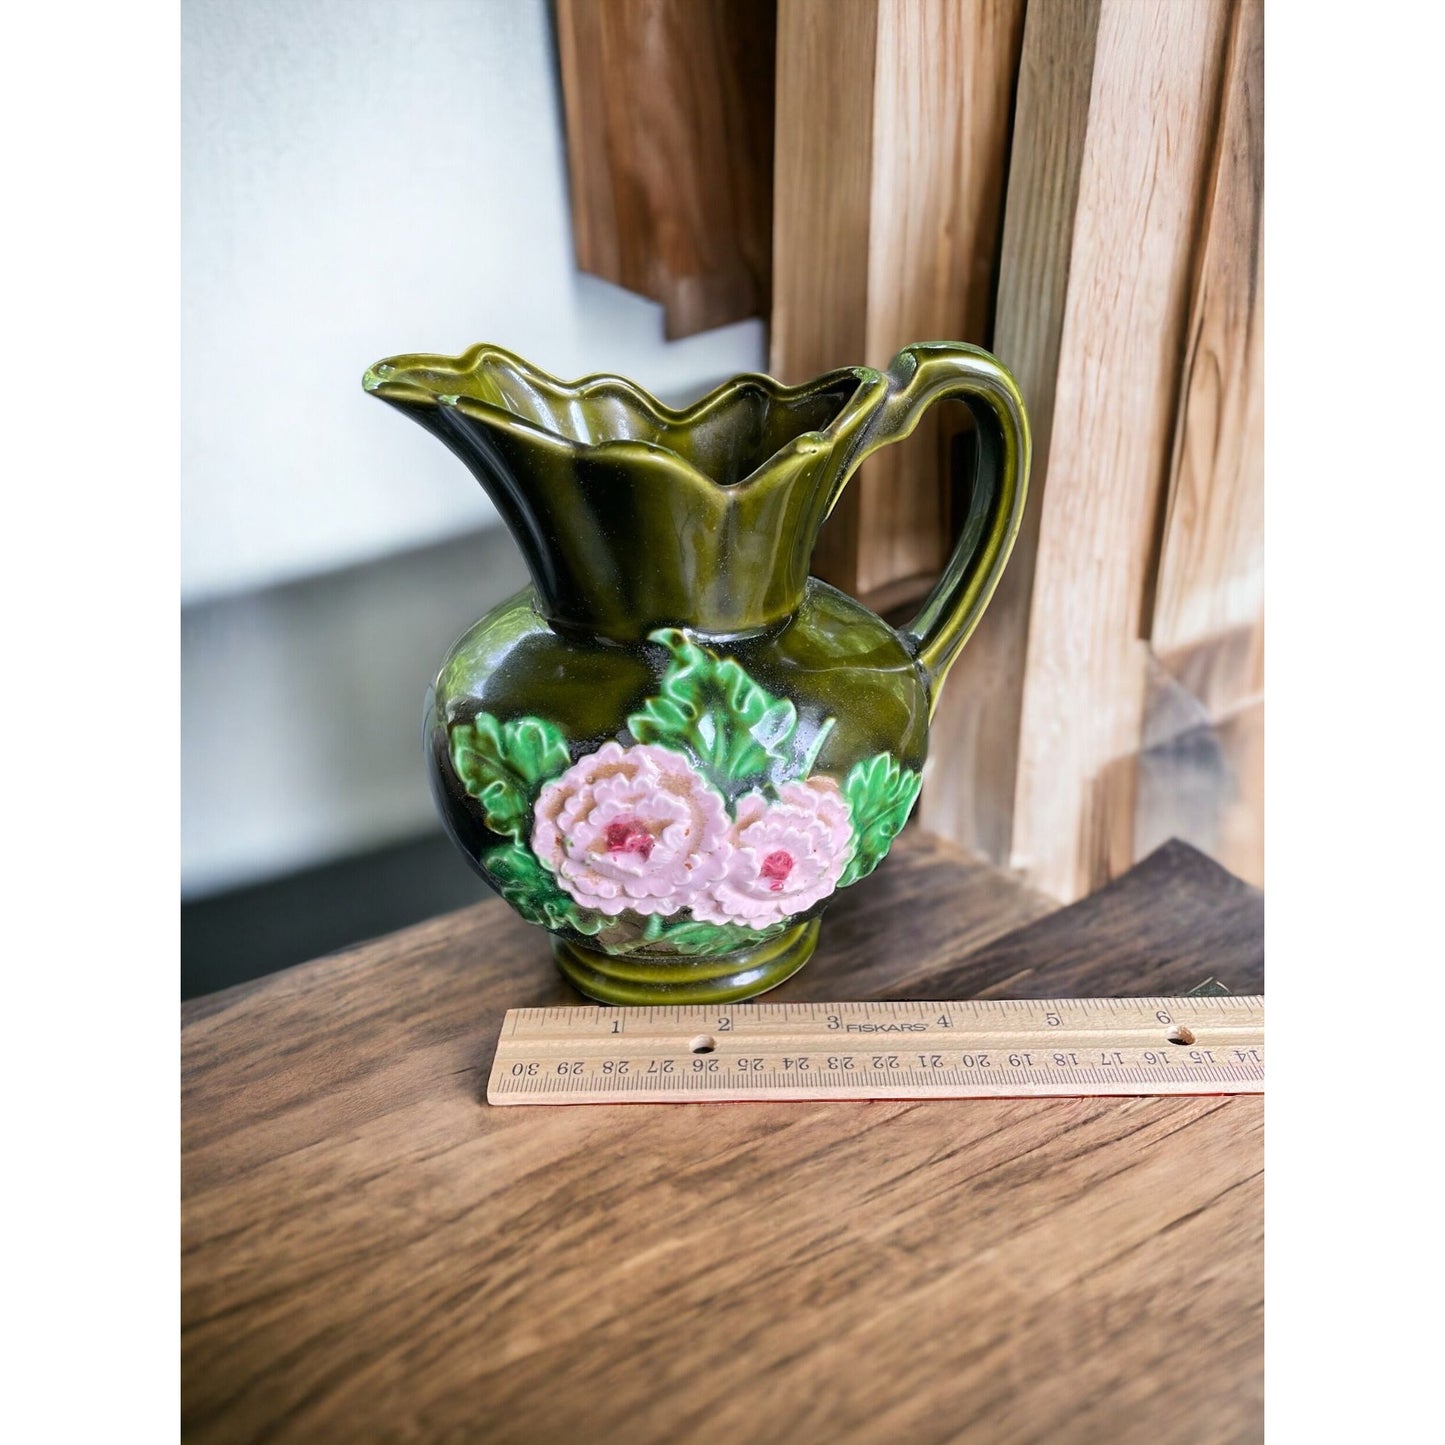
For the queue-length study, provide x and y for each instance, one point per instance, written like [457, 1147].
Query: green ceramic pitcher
[675, 745]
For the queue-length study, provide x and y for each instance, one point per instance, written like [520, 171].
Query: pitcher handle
[918, 377]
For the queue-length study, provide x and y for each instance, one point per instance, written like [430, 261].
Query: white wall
[301, 726]
[360, 177]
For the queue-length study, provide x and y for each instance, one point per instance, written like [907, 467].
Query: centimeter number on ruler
[981, 1048]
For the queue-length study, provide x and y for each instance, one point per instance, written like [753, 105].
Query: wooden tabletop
[371, 1252]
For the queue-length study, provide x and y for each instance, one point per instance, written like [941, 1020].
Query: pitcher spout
[632, 515]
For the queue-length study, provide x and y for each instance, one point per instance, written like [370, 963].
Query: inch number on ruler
[993, 1048]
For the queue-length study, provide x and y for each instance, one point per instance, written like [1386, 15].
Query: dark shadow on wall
[243, 934]
[302, 744]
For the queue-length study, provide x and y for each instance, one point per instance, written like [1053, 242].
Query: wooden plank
[1113, 938]
[669, 107]
[1211, 565]
[1123, 231]
[821, 201]
[1205, 782]
[1151, 116]
[943, 107]
[893, 126]
[371, 1252]
[972, 776]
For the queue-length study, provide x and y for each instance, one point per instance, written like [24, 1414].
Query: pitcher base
[638, 980]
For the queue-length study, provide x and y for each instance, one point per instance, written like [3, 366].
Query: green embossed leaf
[708, 706]
[503, 765]
[881, 795]
[695, 936]
[525, 882]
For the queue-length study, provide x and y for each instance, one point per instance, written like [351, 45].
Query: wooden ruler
[982, 1048]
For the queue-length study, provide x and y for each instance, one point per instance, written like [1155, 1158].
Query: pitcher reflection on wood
[674, 745]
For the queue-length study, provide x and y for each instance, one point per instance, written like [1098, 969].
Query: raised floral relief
[784, 855]
[646, 830]
[634, 828]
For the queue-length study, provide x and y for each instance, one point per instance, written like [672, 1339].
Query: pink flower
[785, 857]
[632, 828]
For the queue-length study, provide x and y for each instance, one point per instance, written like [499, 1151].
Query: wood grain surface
[822, 195]
[1111, 165]
[1211, 564]
[1206, 781]
[892, 146]
[371, 1253]
[669, 110]
[972, 777]
[1150, 135]
[943, 109]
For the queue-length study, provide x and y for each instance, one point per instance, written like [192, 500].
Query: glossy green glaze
[739, 975]
[674, 745]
